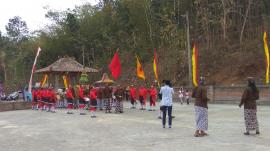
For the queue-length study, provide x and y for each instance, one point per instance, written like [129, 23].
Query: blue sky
[33, 12]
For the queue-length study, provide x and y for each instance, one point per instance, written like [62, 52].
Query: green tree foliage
[17, 29]
[220, 28]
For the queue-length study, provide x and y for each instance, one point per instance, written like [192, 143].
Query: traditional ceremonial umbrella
[104, 80]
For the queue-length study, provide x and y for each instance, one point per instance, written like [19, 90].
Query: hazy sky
[32, 11]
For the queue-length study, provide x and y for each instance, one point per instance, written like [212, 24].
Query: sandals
[200, 134]
[204, 134]
[197, 135]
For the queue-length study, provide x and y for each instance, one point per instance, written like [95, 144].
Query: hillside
[230, 70]
[228, 35]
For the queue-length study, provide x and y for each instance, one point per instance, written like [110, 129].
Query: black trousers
[132, 101]
[166, 109]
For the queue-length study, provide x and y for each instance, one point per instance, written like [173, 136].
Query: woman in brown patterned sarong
[201, 109]
[250, 95]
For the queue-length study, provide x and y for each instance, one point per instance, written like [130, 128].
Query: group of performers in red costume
[85, 97]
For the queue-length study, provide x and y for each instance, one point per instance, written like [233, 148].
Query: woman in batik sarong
[201, 109]
[119, 96]
[107, 96]
[250, 95]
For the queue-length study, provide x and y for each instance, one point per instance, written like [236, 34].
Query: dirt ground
[135, 130]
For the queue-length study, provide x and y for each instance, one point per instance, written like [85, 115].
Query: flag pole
[33, 70]
[189, 52]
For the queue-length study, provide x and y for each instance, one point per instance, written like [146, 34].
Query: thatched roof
[66, 64]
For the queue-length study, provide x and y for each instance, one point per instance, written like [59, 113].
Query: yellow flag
[140, 72]
[266, 50]
[65, 81]
[155, 66]
[44, 80]
[195, 66]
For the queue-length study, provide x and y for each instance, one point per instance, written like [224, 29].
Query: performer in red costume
[81, 100]
[153, 98]
[93, 102]
[70, 99]
[142, 97]
[133, 96]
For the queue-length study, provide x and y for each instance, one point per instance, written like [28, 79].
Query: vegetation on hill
[228, 34]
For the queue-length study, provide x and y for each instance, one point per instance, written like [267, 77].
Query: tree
[3, 64]
[17, 29]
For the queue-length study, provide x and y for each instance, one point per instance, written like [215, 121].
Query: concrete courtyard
[135, 130]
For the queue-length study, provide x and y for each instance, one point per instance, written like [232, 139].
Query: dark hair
[168, 82]
[252, 85]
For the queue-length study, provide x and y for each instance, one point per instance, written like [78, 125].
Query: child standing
[181, 95]
[187, 96]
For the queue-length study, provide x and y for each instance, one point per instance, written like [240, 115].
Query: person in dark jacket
[201, 108]
[250, 95]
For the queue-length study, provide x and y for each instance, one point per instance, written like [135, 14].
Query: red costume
[81, 100]
[70, 98]
[81, 93]
[47, 95]
[52, 96]
[93, 94]
[52, 100]
[143, 95]
[42, 99]
[153, 96]
[93, 99]
[133, 93]
[38, 94]
[133, 96]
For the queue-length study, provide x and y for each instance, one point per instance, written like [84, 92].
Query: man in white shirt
[166, 102]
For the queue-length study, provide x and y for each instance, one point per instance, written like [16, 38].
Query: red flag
[115, 66]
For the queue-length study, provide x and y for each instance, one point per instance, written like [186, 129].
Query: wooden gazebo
[65, 66]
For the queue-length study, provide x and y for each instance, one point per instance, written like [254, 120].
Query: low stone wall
[231, 94]
[14, 105]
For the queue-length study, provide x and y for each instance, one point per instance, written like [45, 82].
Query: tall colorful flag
[33, 70]
[44, 80]
[266, 50]
[65, 80]
[140, 72]
[195, 66]
[115, 66]
[155, 66]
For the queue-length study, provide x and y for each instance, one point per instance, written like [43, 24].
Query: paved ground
[134, 130]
